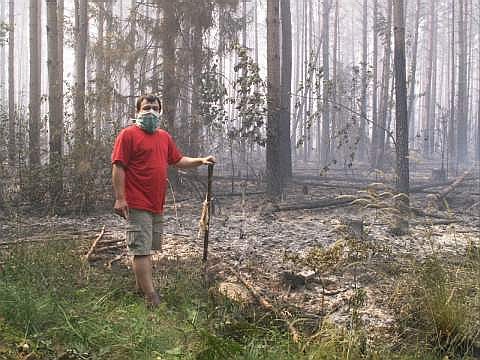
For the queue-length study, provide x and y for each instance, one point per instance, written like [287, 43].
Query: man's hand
[121, 208]
[209, 160]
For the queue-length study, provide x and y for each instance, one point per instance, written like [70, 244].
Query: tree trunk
[3, 58]
[428, 120]
[335, 68]
[54, 124]
[12, 144]
[286, 88]
[243, 147]
[413, 74]
[375, 130]
[363, 97]
[99, 72]
[197, 52]
[60, 31]
[35, 84]
[325, 147]
[273, 170]
[133, 57]
[401, 115]
[384, 106]
[451, 120]
[170, 90]
[478, 108]
[462, 87]
[81, 31]
[296, 81]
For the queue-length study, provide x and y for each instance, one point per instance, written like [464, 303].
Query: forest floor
[315, 260]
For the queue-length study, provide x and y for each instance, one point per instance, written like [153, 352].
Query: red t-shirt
[146, 158]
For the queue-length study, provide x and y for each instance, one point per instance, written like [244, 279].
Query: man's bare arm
[188, 162]
[118, 181]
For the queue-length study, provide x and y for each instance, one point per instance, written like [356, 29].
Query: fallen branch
[95, 243]
[115, 259]
[267, 305]
[443, 193]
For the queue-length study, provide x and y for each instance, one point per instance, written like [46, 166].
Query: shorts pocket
[133, 239]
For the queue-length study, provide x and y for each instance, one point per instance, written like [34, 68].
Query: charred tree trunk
[325, 146]
[197, 49]
[81, 31]
[60, 30]
[12, 143]
[3, 58]
[462, 87]
[35, 84]
[375, 129]
[55, 124]
[428, 122]
[452, 151]
[363, 108]
[413, 78]
[478, 98]
[132, 37]
[99, 71]
[170, 89]
[286, 84]
[403, 186]
[274, 174]
[335, 82]
[384, 106]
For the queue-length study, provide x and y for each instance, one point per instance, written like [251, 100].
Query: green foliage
[249, 99]
[53, 305]
[4, 29]
[443, 303]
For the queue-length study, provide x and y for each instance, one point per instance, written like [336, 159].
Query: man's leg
[142, 267]
[139, 241]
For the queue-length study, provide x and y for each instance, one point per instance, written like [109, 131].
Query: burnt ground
[310, 262]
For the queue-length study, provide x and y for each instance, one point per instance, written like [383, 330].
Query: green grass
[439, 304]
[64, 309]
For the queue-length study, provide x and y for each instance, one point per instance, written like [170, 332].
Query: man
[140, 159]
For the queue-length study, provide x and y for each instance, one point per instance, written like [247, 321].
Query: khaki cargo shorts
[143, 232]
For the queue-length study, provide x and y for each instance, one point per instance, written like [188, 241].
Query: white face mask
[147, 112]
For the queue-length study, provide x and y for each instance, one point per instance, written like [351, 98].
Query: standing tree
[286, 88]
[99, 71]
[451, 120]
[54, 124]
[429, 121]
[401, 145]
[478, 109]
[384, 91]
[35, 84]
[363, 109]
[61, 26]
[169, 32]
[375, 129]
[132, 60]
[462, 101]
[413, 74]
[325, 146]
[81, 38]
[273, 170]
[12, 147]
[2, 55]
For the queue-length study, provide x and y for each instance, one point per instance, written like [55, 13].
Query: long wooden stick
[90, 251]
[208, 213]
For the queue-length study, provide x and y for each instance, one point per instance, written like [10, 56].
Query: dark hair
[150, 98]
